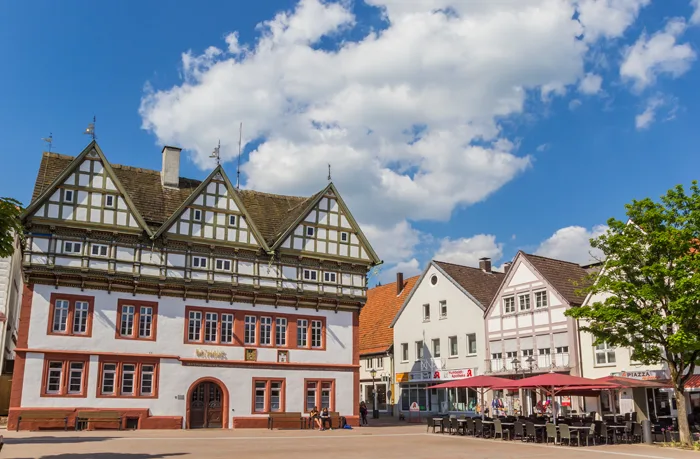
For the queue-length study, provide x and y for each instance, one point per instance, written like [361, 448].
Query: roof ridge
[553, 259]
[469, 267]
[273, 195]
[51, 154]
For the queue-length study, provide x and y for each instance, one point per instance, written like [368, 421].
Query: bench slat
[98, 415]
[43, 415]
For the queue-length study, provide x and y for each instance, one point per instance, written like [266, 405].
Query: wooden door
[206, 406]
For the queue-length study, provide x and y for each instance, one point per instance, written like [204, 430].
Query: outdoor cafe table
[441, 421]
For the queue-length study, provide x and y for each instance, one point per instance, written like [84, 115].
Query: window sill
[127, 396]
[453, 357]
[471, 355]
[64, 395]
[426, 320]
[604, 365]
[443, 317]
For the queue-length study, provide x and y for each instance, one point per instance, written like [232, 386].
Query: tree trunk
[683, 426]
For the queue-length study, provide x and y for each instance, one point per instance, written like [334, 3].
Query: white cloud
[408, 116]
[695, 18]
[468, 251]
[393, 244]
[590, 84]
[572, 244]
[543, 147]
[658, 54]
[409, 268]
[653, 105]
[574, 104]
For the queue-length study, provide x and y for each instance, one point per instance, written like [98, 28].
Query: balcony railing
[497, 365]
[544, 361]
[561, 360]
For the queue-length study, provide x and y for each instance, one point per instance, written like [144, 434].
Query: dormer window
[197, 215]
[231, 220]
[68, 195]
[310, 231]
[109, 201]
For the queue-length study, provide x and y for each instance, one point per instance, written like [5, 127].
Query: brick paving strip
[383, 442]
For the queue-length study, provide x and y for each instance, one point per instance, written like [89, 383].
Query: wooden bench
[50, 416]
[97, 416]
[335, 421]
[294, 420]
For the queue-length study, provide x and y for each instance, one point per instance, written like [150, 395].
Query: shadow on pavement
[110, 456]
[46, 440]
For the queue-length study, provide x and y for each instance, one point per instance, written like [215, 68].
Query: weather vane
[90, 130]
[329, 172]
[216, 154]
[48, 140]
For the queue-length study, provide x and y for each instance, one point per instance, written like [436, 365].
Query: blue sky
[455, 129]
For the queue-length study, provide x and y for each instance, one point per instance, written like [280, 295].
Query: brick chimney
[485, 264]
[170, 173]
[506, 266]
[399, 283]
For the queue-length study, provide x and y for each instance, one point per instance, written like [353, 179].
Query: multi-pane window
[199, 262]
[404, 352]
[302, 333]
[249, 331]
[55, 378]
[436, 347]
[310, 275]
[471, 343]
[454, 347]
[541, 299]
[419, 350]
[443, 309]
[98, 250]
[70, 315]
[604, 354]
[524, 301]
[369, 363]
[280, 331]
[72, 247]
[75, 377]
[197, 215]
[320, 394]
[343, 237]
[136, 320]
[268, 395]
[316, 333]
[508, 304]
[329, 277]
[426, 312]
[223, 265]
[128, 379]
[65, 378]
[231, 220]
[527, 352]
[209, 326]
[265, 331]
[109, 200]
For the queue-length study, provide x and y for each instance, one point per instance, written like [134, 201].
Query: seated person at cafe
[326, 418]
[314, 418]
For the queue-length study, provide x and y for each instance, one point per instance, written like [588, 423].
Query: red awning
[473, 382]
[558, 381]
[693, 382]
[630, 383]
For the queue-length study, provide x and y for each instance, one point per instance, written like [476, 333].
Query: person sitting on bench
[315, 419]
[326, 417]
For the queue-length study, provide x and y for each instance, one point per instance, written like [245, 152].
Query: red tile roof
[693, 382]
[376, 315]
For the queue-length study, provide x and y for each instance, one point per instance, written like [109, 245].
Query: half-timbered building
[185, 303]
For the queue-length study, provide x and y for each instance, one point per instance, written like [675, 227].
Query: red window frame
[268, 384]
[65, 360]
[236, 341]
[72, 299]
[319, 385]
[119, 363]
[137, 319]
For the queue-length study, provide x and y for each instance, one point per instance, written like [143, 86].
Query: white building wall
[11, 285]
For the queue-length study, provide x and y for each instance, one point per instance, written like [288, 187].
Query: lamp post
[529, 361]
[375, 410]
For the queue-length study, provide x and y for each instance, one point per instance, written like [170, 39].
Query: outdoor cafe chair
[481, 429]
[432, 423]
[589, 434]
[498, 430]
[627, 434]
[454, 425]
[567, 435]
[469, 429]
[531, 432]
[519, 431]
[551, 432]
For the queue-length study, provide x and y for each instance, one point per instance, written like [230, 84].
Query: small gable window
[223, 265]
[109, 201]
[231, 220]
[310, 274]
[68, 195]
[329, 277]
[197, 215]
[199, 262]
[72, 247]
[310, 231]
[344, 237]
[99, 250]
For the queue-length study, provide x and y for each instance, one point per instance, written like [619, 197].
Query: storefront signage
[207, 354]
[402, 377]
[642, 374]
[437, 375]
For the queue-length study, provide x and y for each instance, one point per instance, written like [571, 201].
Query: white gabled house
[439, 335]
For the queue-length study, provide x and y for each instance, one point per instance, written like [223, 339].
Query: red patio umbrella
[631, 383]
[481, 382]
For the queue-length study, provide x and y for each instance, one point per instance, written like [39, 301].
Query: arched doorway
[207, 404]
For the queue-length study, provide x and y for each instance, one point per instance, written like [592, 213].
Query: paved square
[375, 442]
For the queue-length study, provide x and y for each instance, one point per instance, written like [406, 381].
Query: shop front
[415, 387]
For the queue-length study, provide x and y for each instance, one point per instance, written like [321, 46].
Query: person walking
[363, 414]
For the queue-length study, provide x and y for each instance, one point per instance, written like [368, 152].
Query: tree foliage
[10, 225]
[647, 297]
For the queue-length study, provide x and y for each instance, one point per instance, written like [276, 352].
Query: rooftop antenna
[48, 140]
[90, 130]
[238, 168]
[329, 172]
[216, 154]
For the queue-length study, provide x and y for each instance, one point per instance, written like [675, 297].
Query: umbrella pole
[554, 406]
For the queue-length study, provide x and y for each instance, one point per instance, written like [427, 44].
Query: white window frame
[309, 231]
[379, 364]
[65, 195]
[419, 350]
[330, 277]
[369, 363]
[541, 300]
[606, 350]
[527, 303]
[113, 204]
[81, 320]
[194, 326]
[404, 352]
[281, 331]
[152, 374]
[199, 262]
[450, 348]
[344, 236]
[476, 345]
[316, 327]
[99, 250]
[145, 322]
[71, 371]
[265, 327]
[60, 316]
[302, 333]
[220, 265]
[437, 350]
[111, 371]
[58, 368]
[70, 247]
[133, 380]
[211, 327]
[443, 309]
[509, 301]
[227, 323]
[310, 275]
[196, 212]
[250, 326]
[231, 220]
[426, 312]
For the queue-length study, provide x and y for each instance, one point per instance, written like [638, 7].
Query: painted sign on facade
[436, 375]
[642, 374]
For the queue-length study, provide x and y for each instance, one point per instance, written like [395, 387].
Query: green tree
[648, 291]
[10, 225]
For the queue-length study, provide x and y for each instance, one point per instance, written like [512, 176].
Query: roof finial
[90, 130]
[216, 154]
[238, 168]
[329, 172]
[48, 140]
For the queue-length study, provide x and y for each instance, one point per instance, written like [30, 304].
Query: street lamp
[375, 411]
[530, 361]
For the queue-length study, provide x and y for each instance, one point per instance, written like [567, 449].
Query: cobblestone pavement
[407, 441]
